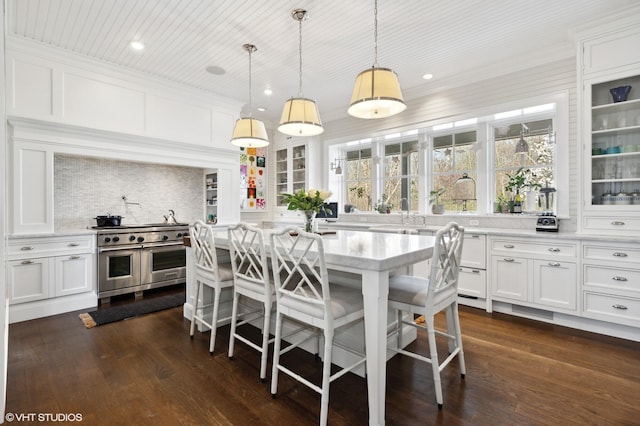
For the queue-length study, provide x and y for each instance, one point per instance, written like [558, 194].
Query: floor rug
[142, 307]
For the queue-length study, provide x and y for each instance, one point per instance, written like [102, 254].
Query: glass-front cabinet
[291, 171]
[615, 143]
[211, 197]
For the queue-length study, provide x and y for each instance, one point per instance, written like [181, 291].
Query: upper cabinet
[609, 79]
[291, 170]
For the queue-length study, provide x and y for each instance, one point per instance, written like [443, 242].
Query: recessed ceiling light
[268, 91]
[215, 70]
[136, 45]
[427, 76]
[261, 109]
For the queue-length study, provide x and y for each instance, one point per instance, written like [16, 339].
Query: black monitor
[330, 211]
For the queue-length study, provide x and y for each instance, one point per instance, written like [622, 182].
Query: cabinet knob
[27, 262]
[554, 264]
[619, 279]
[622, 307]
[26, 248]
[509, 246]
[554, 250]
[619, 254]
[617, 223]
[509, 259]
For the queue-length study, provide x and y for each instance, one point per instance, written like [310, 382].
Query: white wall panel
[175, 120]
[102, 105]
[30, 91]
[223, 123]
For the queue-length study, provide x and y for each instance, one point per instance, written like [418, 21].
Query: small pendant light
[300, 116]
[522, 146]
[249, 132]
[376, 93]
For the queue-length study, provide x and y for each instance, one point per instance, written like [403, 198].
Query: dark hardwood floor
[147, 370]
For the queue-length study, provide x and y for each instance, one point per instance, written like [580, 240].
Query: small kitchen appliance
[548, 222]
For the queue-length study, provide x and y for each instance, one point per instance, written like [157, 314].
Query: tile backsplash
[86, 187]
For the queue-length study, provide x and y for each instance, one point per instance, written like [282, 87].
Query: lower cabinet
[537, 273]
[50, 275]
[611, 282]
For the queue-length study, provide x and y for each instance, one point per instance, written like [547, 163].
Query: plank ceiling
[456, 40]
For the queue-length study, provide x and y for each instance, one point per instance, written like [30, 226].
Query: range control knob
[132, 237]
[165, 237]
[107, 239]
[140, 239]
[179, 235]
[116, 239]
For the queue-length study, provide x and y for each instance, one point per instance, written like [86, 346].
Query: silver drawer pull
[26, 248]
[554, 264]
[73, 244]
[617, 223]
[509, 259]
[475, 236]
[554, 250]
[509, 246]
[27, 262]
[622, 307]
[619, 279]
[475, 271]
[619, 254]
[74, 257]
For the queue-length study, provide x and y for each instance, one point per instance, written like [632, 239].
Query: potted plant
[501, 203]
[434, 201]
[382, 206]
[309, 202]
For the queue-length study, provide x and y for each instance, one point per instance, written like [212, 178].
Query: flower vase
[309, 220]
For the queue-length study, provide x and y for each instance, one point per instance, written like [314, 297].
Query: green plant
[516, 180]
[358, 190]
[381, 205]
[434, 196]
[312, 200]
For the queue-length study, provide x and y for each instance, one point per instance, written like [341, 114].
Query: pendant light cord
[250, 49]
[375, 34]
[300, 57]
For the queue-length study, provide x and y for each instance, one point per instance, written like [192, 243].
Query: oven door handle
[103, 250]
[156, 245]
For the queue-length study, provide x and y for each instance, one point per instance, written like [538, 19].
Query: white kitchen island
[372, 256]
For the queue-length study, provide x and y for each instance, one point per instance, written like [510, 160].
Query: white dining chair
[251, 278]
[429, 296]
[303, 294]
[207, 273]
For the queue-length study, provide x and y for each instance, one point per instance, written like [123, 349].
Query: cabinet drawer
[618, 278]
[473, 251]
[550, 248]
[473, 282]
[617, 254]
[618, 309]
[616, 224]
[32, 247]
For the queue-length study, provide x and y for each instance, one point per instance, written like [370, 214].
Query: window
[536, 163]
[358, 178]
[401, 175]
[453, 155]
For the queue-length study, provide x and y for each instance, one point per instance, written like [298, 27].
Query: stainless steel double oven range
[135, 258]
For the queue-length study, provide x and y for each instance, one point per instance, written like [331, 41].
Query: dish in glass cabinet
[620, 93]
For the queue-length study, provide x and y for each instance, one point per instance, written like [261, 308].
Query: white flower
[312, 193]
[324, 194]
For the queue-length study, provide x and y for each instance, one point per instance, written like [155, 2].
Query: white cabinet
[50, 275]
[536, 273]
[291, 170]
[610, 130]
[31, 189]
[472, 282]
[611, 282]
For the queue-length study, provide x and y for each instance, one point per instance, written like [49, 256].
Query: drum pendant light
[249, 132]
[300, 116]
[376, 93]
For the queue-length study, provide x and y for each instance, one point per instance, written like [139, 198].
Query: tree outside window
[453, 155]
[358, 178]
[401, 175]
[537, 162]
